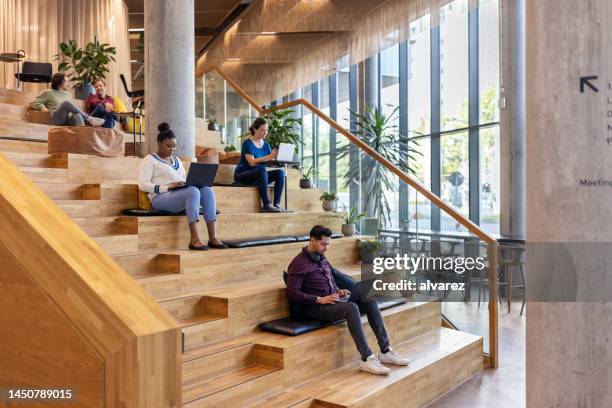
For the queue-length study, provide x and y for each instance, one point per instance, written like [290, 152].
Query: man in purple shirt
[310, 282]
[101, 105]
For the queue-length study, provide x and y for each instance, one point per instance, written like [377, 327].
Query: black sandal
[198, 248]
[270, 209]
[217, 246]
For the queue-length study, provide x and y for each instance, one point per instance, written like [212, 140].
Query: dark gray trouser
[68, 114]
[352, 313]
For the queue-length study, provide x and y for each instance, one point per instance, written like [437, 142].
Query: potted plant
[368, 250]
[379, 131]
[212, 124]
[352, 216]
[283, 127]
[84, 65]
[329, 200]
[306, 180]
[230, 148]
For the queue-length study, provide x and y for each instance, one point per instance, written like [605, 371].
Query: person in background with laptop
[162, 175]
[252, 170]
[310, 282]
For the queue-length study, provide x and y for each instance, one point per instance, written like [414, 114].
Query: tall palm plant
[380, 132]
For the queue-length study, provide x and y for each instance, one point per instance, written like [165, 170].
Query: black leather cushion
[250, 242]
[302, 238]
[148, 213]
[291, 326]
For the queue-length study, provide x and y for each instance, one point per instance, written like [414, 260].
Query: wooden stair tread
[201, 319]
[285, 399]
[225, 381]
[222, 346]
[347, 386]
[279, 340]
[45, 174]
[80, 208]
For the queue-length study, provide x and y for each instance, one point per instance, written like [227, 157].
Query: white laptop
[285, 152]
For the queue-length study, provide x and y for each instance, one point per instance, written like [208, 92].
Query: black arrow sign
[587, 81]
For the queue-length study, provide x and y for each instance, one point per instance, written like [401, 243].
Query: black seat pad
[249, 242]
[150, 213]
[290, 326]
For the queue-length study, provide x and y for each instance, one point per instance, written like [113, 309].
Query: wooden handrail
[138, 342]
[414, 183]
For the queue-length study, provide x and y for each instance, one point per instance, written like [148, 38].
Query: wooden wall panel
[138, 340]
[40, 347]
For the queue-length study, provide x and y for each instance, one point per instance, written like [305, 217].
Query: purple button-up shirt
[308, 279]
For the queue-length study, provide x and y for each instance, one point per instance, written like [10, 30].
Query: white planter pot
[328, 205]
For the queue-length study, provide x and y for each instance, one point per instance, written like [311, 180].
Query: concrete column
[170, 71]
[512, 118]
[569, 168]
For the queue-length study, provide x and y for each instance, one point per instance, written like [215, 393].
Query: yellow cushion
[143, 201]
[129, 126]
[120, 105]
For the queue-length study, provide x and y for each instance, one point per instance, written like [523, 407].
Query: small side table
[285, 165]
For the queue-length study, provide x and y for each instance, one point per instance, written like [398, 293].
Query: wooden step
[45, 175]
[189, 271]
[188, 308]
[80, 208]
[23, 130]
[333, 347]
[207, 367]
[62, 191]
[83, 168]
[54, 160]
[118, 244]
[150, 265]
[285, 399]
[234, 388]
[23, 146]
[108, 227]
[171, 232]
[440, 360]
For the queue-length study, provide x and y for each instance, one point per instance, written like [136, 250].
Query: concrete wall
[569, 347]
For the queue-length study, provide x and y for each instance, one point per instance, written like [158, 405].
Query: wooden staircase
[220, 296]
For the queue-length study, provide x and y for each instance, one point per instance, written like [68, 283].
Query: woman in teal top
[252, 169]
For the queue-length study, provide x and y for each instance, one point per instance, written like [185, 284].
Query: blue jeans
[188, 199]
[109, 117]
[260, 176]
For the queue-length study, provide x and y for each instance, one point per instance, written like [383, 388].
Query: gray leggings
[68, 114]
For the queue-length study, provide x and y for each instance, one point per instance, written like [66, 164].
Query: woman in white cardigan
[162, 175]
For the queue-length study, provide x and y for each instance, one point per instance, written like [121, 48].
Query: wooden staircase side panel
[119, 320]
[41, 347]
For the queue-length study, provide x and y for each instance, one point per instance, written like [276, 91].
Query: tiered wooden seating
[219, 297]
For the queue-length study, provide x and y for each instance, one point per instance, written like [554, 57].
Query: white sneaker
[95, 122]
[373, 365]
[393, 357]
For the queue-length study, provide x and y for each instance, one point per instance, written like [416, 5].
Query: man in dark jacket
[310, 282]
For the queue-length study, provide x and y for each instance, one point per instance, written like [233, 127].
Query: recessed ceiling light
[268, 33]
[233, 59]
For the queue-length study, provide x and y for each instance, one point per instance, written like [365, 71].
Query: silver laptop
[285, 152]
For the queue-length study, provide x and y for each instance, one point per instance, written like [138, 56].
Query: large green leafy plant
[83, 65]
[283, 127]
[381, 133]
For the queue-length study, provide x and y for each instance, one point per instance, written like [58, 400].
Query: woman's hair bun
[162, 127]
